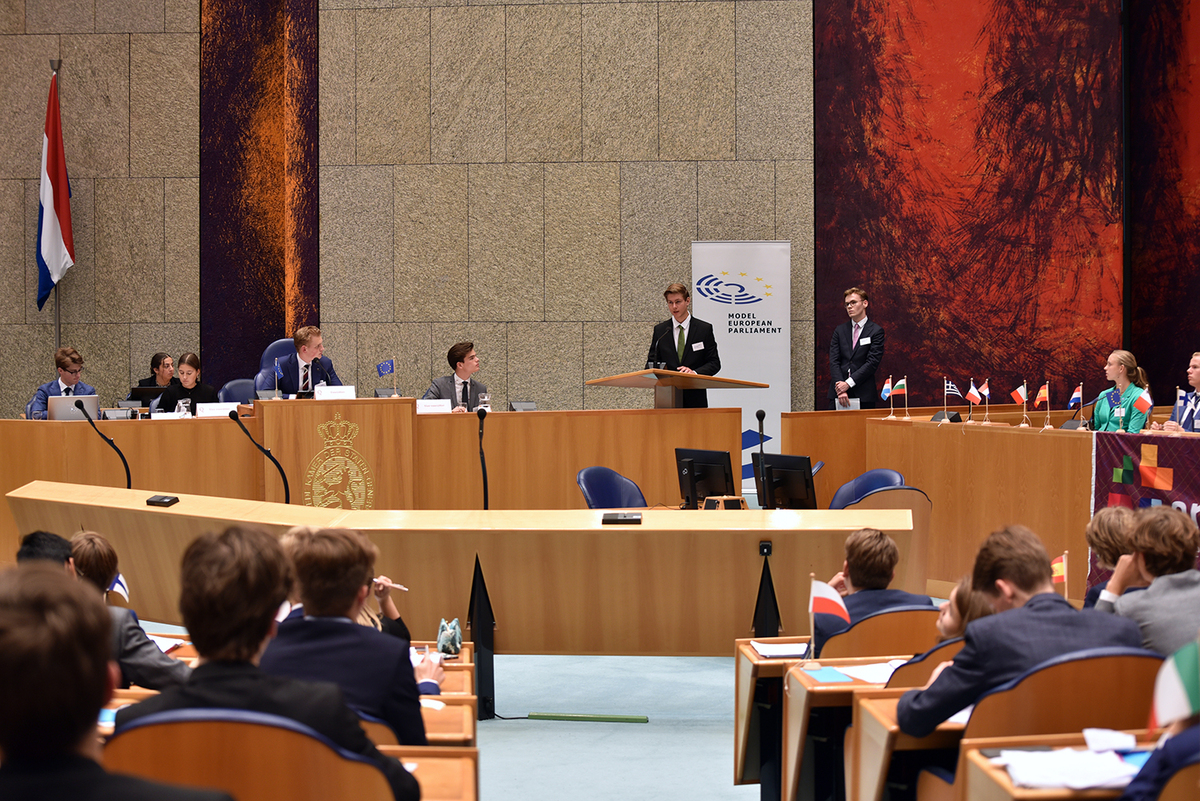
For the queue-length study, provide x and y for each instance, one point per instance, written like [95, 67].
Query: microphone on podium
[287, 494]
[761, 415]
[482, 413]
[79, 405]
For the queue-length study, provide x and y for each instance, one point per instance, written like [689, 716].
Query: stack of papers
[782, 650]
[1067, 767]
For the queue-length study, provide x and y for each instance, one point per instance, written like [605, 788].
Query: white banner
[745, 290]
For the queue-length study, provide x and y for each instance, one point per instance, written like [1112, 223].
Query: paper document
[781, 650]
[1067, 767]
[961, 716]
[166, 643]
[878, 673]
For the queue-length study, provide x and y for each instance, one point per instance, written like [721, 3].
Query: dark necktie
[466, 397]
[66, 390]
[304, 378]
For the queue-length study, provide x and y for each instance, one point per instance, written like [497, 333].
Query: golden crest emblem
[339, 476]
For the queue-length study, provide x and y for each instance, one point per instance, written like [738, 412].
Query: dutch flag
[56, 246]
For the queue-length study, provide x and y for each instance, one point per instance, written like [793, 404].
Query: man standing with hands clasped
[854, 355]
[685, 344]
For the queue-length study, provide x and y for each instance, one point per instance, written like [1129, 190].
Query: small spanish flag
[1042, 395]
[1058, 569]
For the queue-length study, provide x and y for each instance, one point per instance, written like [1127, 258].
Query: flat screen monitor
[783, 481]
[62, 407]
[145, 394]
[703, 473]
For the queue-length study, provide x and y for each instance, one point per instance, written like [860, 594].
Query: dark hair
[191, 360]
[95, 559]
[969, 603]
[332, 565]
[871, 558]
[66, 358]
[231, 586]
[1014, 554]
[459, 353]
[1107, 534]
[1166, 538]
[54, 651]
[677, 289]
[44, 546]
[157, 359]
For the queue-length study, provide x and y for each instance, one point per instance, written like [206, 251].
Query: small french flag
[973, 394]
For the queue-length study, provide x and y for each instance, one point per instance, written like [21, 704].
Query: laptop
[62, 407]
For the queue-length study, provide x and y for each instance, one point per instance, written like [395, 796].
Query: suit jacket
[1177, 409]
[373, 669]
[241, 685]
[80, 779]
[699, 353]
[1167, 612]
[51, 390]
[443, 389]
[1104, 416]
[859, 363]
[1175, 754]
[862, 604]
[322, 370]
[1001, 647]
[142, 662]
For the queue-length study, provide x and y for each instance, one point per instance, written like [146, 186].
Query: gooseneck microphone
[287, 494]
[653, 362]
[79, 405]
[482, 413]
[761, 415]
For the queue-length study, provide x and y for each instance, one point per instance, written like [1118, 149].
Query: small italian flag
[1019, 395]
[825, 600]
[1177, 688]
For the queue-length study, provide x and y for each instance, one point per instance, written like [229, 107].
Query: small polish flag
[825, 600]
[1143, 403]
[1019, 395]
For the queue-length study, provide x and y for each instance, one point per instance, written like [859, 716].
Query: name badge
[864, 340]
[1119, 412]
[697, 346]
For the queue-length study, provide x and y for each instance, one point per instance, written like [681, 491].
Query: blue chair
[239, 390]
[251, 755]
[855, 489]
[607, 489]
[266, 365]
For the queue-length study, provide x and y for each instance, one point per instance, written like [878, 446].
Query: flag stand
[809, 664]
[1047, 424]
[987, 403]
[906, 415]
[945, 412]
[970, 421]
[892, 401]
[1024, 406]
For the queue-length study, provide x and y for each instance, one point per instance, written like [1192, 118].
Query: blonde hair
[1137, 375]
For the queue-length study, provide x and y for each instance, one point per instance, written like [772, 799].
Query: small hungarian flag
[900, 387]
[887, 389]
[984, 391]
[1143, 403]
[973, 394]
[1019, 395]
[1043, 395]
[1177, 688]
[1058, 569]
[1076, 397]
[825, 600]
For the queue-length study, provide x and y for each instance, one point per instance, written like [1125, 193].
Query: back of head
[332, 566]
[66, 358]
[1166, 538]
[970, 603]
[231, 586]
[1014, 554]
[44, 546]
[54, 653]
[871, 558]
[95, 559]
[1108, 534]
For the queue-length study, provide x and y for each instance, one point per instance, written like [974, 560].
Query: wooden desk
[560, 582]
[875, 736]
[449, 720]
[802, 694]
[668, 385]
[445, 774]
[750, 670]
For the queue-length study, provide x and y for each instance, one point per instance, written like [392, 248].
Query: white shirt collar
[861, 324]
[62, 388]
[686, 325]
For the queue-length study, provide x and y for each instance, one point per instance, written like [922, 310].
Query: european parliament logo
[729, 293]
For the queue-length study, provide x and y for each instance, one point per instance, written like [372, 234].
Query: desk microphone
[287, 494]
[79, 405]
[482, 413]
[761, 415]
[653, 362]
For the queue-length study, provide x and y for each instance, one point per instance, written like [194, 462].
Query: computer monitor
[703, 473]
[784, 481]
[145, 394]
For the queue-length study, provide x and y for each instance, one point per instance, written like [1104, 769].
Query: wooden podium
[668, 385]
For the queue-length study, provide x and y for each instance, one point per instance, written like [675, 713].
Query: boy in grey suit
[459, 387]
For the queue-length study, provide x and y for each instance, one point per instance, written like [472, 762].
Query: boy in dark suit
[70, 367]
[55, 675]
[231, 586]
[685, 344]
[854, 355]
[335, 568]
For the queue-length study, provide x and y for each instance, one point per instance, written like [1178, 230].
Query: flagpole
[55, 66]
[1066, 575]
[1046, 424]
[276, 378]
[1024, 405]
[812, 628]
[906, 415]
[987, 403]
[944, 405]
[891, 402]
[394, 375]
[970, 406]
